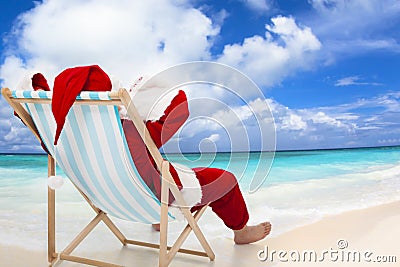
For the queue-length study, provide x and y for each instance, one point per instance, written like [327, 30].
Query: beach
[119, 116]
[373, 231]
[324, 204]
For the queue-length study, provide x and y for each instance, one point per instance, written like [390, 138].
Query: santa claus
[199, 186]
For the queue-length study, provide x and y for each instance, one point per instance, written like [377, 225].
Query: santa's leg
[221, 190]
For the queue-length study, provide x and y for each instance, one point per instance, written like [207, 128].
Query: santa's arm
[167, 125]
[35, 82]
[161, 130]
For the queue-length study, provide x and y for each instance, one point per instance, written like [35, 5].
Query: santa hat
[67, 86]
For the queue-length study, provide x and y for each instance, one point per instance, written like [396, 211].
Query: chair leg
[189, 217]
[182, 237]
[114, 229]
[66, 253]
[167, 184]
[107, 221]
[83, 234]
[199, 234]
[164, 221]
[88, 261]
[51, 233]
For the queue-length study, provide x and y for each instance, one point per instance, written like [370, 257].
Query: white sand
[375, 229]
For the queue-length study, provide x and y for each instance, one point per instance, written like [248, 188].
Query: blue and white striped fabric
[93, 153]
[89, 95]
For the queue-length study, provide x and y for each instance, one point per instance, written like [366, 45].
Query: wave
[296, 203]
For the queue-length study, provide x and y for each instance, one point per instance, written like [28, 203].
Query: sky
[328, 70]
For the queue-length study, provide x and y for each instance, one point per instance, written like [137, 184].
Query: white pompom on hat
[55, 182]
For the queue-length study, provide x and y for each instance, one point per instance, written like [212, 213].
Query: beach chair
[93, 153]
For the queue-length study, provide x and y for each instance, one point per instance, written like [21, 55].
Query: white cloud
[307, 121]
[126, 38]
[12, 70]
[365, 122]
[235, 126]
[131, 38]
[391, 141]
[385, 103]
[320, 127]
[293, 122]
[214, 137]
[353, 80]
[14, 135]
[268, 60]
[258, 5]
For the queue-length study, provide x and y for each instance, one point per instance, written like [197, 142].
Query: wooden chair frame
[166, 253]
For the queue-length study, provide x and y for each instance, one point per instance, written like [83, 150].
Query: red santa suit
[199, 186]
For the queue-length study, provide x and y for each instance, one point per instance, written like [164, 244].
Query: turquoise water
[287, 166]
[294, 166]
[301, 187]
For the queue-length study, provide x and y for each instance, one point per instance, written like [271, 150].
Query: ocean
[301, 187]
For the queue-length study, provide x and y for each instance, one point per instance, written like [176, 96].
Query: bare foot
[156, 227]
[250, 234]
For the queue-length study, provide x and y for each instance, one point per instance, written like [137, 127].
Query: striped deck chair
[92, 151]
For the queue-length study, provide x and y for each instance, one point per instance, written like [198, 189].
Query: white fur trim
[191, 190]
[25, 83]
[149, 111]
[151, 98]
[157, 111]
[123, 114]
[151, 101]
[115, 84]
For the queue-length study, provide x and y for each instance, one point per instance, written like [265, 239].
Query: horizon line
[221, 152]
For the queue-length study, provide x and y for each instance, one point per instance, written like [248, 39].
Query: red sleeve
[174, 117]
[144, 163]
[39, 82]
[161, 131]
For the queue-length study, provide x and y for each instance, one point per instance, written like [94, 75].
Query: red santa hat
[67, 86]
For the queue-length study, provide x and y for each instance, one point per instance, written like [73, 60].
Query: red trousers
[220, 189]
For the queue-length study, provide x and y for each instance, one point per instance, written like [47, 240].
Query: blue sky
[328, 69]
